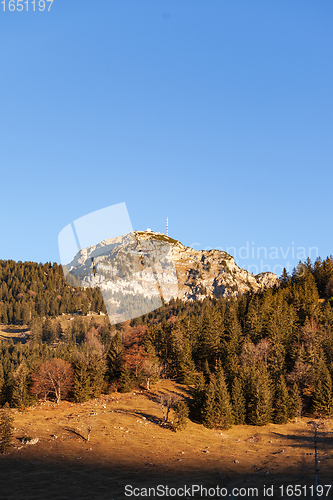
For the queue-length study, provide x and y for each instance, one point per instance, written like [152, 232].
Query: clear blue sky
[217, 113]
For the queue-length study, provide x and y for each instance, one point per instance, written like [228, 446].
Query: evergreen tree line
[29, 290]
[261, 358]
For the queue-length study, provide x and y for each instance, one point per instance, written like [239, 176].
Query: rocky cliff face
[214, 273]
[136, 271]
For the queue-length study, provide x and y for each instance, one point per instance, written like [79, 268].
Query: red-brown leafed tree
[54, 377]
[139, 362]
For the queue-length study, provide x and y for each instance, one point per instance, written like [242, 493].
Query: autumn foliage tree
[54, 378]
[142, 364]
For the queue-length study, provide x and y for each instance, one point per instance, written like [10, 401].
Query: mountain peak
[199, 273]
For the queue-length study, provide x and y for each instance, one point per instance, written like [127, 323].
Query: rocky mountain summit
[204, 273]
[138, 271]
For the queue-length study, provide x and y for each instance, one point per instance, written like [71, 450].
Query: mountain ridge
[199, 273]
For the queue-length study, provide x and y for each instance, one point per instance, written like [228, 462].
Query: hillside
[129, 446]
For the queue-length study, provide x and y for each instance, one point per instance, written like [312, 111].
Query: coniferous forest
[256, 359]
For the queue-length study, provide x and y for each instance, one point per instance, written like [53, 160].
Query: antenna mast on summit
[167, 227]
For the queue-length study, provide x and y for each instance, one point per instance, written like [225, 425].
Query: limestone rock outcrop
[150, 264]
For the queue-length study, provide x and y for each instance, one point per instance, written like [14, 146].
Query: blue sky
[217, 114]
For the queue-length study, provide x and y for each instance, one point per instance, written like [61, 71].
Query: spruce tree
[115, 358]
[36, 328]
[82, 388]
[19, 386]
[206, 372]
[260, 404]
[6, 428]
[281, 402]
[284, 278]
[96, 368]
[125, 381]
[322, 403]
[186, 370]
[2, 380]
[198, 399]
[232, 343]
[223, 416]
[208, 412]
[238, 402]
[296, 404]
[181, 414]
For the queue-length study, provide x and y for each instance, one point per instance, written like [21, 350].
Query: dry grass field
[129, 446]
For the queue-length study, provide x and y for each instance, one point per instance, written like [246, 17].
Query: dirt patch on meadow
[129, 446]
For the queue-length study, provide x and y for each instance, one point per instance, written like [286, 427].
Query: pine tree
[6, 428]
[238, 402]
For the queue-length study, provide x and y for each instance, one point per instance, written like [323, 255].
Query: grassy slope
[128, 445]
